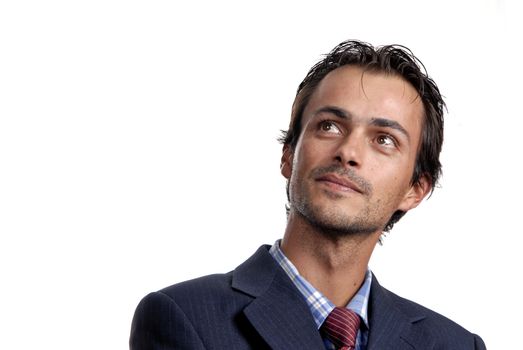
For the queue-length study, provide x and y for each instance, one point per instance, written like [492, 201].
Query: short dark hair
[389, 59]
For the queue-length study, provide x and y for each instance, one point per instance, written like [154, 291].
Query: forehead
[367, 94]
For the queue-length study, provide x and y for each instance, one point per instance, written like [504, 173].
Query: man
[362, 149]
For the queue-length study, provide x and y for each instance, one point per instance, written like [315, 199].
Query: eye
[386, 140]
[329, 127]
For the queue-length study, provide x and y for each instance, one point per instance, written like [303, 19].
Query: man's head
[359, 64]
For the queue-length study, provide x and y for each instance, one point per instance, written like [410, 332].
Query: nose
[350, 150]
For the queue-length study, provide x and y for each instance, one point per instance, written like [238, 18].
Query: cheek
[305, 156]
[314, 150]
[392, 185]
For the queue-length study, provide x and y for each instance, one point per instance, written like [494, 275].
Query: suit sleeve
[160, 324]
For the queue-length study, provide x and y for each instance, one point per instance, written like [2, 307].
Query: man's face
[352, 166]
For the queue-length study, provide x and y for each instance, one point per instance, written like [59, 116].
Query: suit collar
[278, 312]
[255, 275]
[281, 316]
[393, 324]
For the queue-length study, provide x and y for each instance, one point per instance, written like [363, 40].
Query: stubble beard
[333, 221]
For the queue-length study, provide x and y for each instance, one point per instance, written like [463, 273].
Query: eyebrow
[381, 122]
[387, 123]
[338, 112]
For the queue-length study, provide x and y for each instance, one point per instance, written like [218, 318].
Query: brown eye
[386, 140]
[329, 127]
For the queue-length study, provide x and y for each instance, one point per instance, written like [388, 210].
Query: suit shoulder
[186, 297]
[441, 327]
[200, 286]
[159, 320]
[418, 312]
[207, 294]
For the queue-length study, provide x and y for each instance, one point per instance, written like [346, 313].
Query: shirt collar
[319, 305]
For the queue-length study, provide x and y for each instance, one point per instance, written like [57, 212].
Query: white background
[138, 149]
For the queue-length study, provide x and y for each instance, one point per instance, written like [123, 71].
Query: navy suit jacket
[257, 306]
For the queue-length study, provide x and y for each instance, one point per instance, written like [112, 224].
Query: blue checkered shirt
[320, 306]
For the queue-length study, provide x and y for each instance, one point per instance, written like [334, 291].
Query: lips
[339, 183]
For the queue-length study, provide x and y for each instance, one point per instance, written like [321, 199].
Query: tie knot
[341, 327]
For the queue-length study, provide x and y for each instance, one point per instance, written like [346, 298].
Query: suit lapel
[391, 326]
[278, 312]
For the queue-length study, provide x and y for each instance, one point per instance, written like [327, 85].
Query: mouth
[340, 184]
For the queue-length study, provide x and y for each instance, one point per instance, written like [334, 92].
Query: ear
[416, 193]
[286, 161]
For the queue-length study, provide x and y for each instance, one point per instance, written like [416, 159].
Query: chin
[337, 222]
[344, 230]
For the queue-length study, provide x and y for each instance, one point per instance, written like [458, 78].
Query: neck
[334, 264]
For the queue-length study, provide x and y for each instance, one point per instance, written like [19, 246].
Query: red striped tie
[341, 328]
